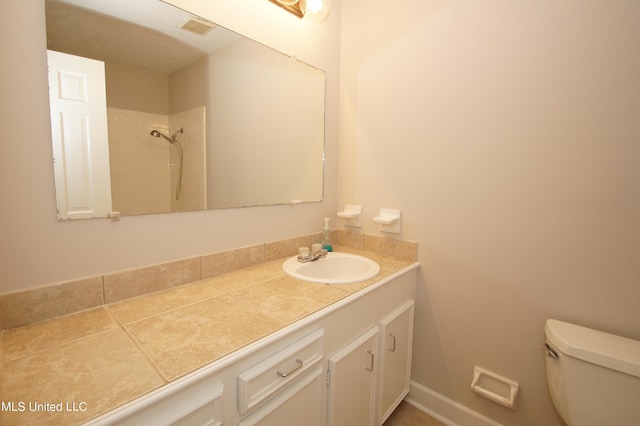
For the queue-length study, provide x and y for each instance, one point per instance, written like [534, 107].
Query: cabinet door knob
[370, 367]
[298, 365]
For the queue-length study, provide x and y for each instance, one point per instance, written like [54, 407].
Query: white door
[352, 382]
[396, 331]
[78, 103]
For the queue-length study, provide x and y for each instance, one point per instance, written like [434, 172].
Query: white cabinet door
[301, 403]
[78, 104]
[352, 382]
[396, 331]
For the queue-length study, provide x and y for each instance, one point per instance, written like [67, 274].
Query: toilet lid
[611, 351]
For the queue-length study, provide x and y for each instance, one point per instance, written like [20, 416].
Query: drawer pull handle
[370, 367]
[298, 365]
[393, 343]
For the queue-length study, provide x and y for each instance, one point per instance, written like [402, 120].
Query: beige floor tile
[102, 371]
[28, 339]
[290, 299]
[187, 338]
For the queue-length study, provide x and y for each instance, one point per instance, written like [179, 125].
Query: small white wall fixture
[352, 215]
[389, 220]
[494, 387]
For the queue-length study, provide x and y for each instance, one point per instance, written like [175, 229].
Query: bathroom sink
[334, 268]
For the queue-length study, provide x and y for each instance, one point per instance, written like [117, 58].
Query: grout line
[110, 327]
[270, 315]
[140, 349]
[104, 291]
[199, 299]
[171, 309]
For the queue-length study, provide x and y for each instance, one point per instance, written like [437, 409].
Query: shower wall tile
[140, 178]
[30, 306]
[193, 138]
[135, 282]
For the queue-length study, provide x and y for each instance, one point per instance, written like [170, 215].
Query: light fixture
[291, 6]
[315, 10]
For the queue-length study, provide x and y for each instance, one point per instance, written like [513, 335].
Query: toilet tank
[595, 379]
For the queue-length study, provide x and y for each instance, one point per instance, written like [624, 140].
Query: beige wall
[188, 86]
[137, 89]
[36, 249]
[277, 156]
[507, 132]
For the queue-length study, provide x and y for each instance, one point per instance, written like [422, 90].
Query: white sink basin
[335, 268]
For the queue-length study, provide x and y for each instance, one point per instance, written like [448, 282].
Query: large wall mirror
[155, 110]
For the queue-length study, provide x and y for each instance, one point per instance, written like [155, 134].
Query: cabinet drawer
[188, 402]
[300, 403]
[264, 379]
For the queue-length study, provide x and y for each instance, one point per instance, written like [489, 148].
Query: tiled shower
[144, 169]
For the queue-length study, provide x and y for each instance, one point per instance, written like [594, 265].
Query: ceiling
[150, 28]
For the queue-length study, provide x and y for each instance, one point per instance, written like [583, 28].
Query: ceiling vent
[198, 26]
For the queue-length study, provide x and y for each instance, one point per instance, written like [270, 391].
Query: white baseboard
[444, 409]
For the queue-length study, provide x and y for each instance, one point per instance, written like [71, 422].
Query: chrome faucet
[314, 255]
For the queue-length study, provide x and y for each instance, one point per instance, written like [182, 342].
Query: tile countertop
[70, 369]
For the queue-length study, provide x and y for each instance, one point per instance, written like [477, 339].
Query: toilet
[593, 377]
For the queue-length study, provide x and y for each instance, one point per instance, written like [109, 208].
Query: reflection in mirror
[197, 117]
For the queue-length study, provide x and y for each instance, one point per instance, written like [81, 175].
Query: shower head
[157, 134]
[173, 141]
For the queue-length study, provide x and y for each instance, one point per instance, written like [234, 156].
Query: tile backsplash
[29, 306]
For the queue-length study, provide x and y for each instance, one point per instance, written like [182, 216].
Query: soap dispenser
[326, 236]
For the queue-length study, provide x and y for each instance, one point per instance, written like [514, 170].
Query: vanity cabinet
[370, 376]
[347, 364]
